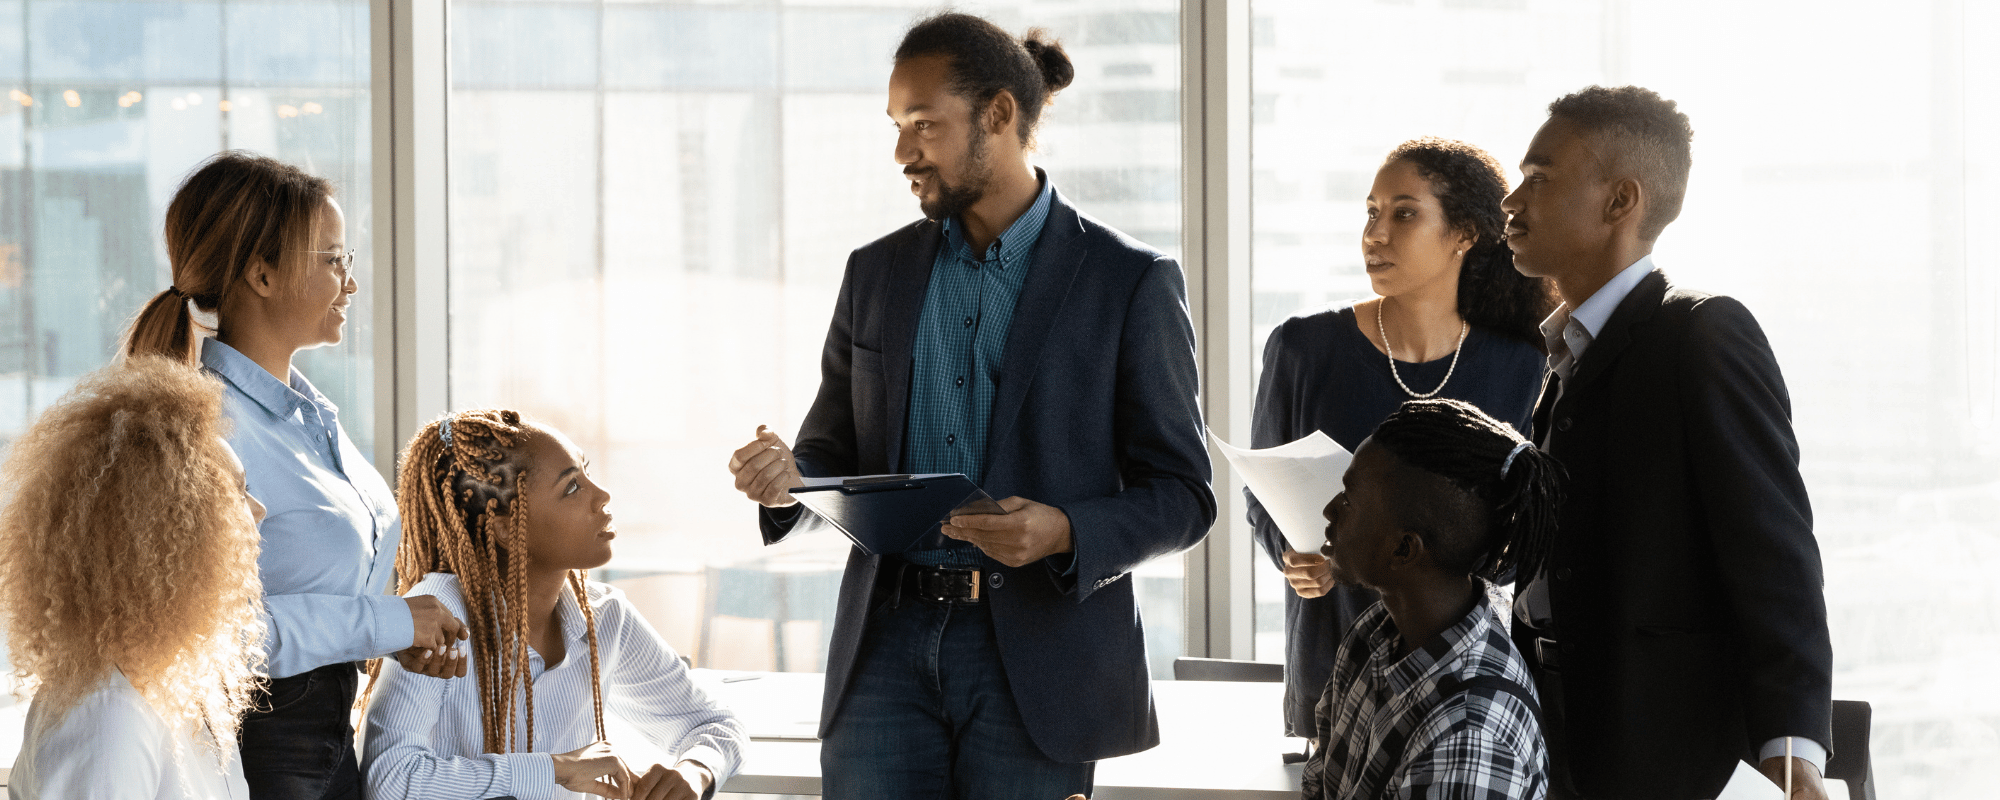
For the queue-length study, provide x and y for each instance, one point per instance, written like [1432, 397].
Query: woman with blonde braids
[128, 569]
[500, 520]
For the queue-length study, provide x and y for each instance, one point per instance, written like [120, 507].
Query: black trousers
[296, 742]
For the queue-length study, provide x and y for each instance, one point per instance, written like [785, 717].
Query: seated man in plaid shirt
[1428, 697]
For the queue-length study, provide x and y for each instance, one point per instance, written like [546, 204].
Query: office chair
[1850, 762]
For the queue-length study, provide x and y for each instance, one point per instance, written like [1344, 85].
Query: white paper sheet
[1294, 482]
[1749, 784]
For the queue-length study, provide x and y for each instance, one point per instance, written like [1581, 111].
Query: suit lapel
[909, 280]
[1634, 310]
[1058, 256]
[1538, 429]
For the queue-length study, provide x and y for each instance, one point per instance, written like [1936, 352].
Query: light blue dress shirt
[330, 527]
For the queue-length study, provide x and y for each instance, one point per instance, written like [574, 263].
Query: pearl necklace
[1463, 328]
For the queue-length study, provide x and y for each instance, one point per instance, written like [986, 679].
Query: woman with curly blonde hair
[128, 568]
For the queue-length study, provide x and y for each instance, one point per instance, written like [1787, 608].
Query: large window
[651, 207]
[1841, 169]
[110, 103]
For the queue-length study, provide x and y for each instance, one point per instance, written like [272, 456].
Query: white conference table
[1217, 739]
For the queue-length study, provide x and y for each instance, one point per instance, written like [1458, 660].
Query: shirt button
[1563, 425]
[950, 438]
[1563, 574]
[961, 381]
[968, 322]
[996, 580]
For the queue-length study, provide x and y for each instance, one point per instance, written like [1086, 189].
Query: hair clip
[444, 433]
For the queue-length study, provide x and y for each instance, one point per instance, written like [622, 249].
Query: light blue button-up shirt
[330, 529]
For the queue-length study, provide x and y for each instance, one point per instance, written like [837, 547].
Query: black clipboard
[888, 514]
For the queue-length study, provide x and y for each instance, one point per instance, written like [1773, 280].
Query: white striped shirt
[425, 740]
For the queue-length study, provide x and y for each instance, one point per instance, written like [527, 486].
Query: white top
[425, 740]
[112, 745]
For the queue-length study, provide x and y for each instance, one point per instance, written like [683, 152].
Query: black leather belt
[942, 584]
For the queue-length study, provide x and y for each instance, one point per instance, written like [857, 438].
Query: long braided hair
[1519, 485]
[459, 487]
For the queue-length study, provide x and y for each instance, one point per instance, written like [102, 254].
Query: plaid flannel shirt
[1386, 730]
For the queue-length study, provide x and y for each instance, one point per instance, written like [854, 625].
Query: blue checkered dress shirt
[961, 339]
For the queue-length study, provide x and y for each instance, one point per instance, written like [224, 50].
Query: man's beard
[952, 201]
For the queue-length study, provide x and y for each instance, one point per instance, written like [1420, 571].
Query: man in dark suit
[1012, 338]
[1678, 624]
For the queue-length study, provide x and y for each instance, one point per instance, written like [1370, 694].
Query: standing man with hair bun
[1048, 357]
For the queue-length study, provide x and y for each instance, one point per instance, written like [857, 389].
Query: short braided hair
[1467, 449]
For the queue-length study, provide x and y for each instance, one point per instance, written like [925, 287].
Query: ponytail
[164, 327]
[1526, 504]
[236, 209]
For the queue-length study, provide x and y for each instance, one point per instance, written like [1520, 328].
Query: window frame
[411, 90]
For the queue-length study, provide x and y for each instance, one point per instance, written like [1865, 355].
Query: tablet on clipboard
[888, 514]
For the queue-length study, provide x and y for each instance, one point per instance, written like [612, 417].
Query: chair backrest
[1223, 669]
[1850, 762]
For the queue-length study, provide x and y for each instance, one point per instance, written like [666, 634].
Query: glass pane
[109, 105]
[1832, 184]
[633, 180]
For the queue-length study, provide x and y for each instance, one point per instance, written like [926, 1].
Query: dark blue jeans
[297, 744]
[929, 715]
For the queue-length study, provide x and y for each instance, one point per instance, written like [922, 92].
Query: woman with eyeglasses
[261, 245]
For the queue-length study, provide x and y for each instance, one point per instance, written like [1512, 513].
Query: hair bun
[1057, 71]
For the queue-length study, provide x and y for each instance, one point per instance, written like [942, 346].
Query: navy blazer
[1096, 414]
[1684, 581]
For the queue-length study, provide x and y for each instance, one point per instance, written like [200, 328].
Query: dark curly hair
[1646, 137]
[1469, 183]
[986, 60]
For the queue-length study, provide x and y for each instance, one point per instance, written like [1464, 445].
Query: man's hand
[1028, 532]
[594, 768]
[436, 628]
[1806, 784]
[1308, 573]
[688, 781]
[764, 469]
[446, 663]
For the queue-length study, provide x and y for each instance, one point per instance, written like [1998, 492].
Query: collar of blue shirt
[279, 399]
[1593, 313]
[1014, 243]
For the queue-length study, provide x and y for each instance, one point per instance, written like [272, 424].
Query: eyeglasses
[343, 260]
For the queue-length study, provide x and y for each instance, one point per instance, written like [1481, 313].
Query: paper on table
[1294, 482]
[1749, 784]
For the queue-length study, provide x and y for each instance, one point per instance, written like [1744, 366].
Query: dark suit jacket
[1685, 582]
[1096, 414]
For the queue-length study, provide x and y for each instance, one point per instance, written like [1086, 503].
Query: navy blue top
[1321, 373]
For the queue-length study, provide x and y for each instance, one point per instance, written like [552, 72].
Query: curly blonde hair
[125, 544]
